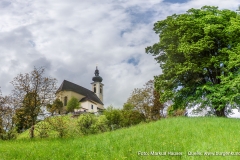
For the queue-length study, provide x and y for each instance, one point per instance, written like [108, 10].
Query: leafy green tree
[26, 115]
[198, 53]
[57, 106]
[157, 108]
[31, 92]
[72, 104]
[21, 120]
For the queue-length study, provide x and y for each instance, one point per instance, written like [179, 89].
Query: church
[90, 100]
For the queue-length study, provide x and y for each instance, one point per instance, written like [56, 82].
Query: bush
[43, 129]
[11, 134]
[114, 117]
[86, 124]
[131, 117]
[58, 124]
[175, 113]
[102, 124]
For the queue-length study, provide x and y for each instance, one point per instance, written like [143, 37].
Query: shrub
[58, 124]
[43, 129]
[114, 117]
[175, 113]
[131, 117]
[102, 124]
[11, 134]
[86, 124]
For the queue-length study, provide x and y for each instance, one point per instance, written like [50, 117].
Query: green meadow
[171, 138]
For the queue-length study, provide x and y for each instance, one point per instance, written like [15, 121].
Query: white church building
[90, 100]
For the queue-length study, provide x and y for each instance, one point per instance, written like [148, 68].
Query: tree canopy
[31, 92]
[199, 54]
[57, 106]
[146, 101]
[72, 104]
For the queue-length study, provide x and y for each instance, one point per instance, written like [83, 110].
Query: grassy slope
[168, 135]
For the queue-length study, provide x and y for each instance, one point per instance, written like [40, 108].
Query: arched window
[100, 90]
[65, 101]
[94, 89]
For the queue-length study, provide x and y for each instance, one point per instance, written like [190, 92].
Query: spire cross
[96, 72]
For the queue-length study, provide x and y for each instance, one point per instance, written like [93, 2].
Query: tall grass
[174, 135]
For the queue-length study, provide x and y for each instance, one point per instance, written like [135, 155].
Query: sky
[69, 38]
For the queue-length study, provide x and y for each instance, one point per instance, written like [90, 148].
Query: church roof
[89, 95]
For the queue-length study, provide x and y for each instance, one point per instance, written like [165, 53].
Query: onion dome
[97, 78]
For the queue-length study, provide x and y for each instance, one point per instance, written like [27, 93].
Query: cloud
[71, 37]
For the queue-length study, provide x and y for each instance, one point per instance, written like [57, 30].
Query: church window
[65, 100]
[100, 90]
[91, 106]
[94, 89]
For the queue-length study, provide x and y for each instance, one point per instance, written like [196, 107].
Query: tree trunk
[32, 130]
[221, 112]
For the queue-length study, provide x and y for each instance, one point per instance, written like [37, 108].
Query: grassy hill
[178, 138]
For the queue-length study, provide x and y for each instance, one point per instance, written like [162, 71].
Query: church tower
[97, 86]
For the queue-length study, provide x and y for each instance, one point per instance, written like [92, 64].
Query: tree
[157, 108]
[198, 53]
[22, 120]
[27, 114]
[144, 101]
[33, 91]
[72, 104]
[57, 106]
[7, 112]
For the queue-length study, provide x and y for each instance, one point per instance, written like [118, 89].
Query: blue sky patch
[133, 61]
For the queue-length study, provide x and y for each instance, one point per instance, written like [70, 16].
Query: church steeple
[97, 78]
[97, 86]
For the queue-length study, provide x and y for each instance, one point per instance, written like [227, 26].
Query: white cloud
[71, 37]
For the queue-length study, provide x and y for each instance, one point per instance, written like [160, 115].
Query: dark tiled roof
[89, 95]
